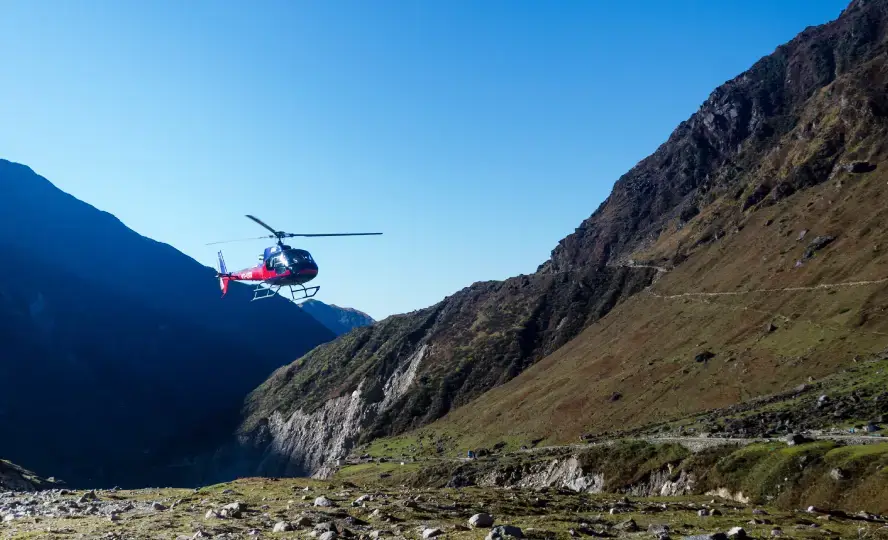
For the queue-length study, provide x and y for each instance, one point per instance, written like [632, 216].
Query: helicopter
[279, 266]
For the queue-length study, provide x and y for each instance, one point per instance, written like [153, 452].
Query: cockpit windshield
[295, 256]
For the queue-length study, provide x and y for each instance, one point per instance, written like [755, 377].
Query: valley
[705, 356]
[741, 260]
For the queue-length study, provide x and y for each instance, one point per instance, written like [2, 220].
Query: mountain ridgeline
[338, 320]
[118, 359]
[762, 149]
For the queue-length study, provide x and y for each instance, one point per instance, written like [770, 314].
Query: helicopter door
[280, 264]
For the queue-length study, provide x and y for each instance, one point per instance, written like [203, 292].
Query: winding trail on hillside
[662, 270]
[694, 444]
[704, 296]
[700, 443]
[821, 286]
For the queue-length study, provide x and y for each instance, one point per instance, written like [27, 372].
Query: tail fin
[223, 277]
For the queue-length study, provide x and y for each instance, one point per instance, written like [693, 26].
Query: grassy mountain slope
[718, 207]
[764, 342]
[748, 288]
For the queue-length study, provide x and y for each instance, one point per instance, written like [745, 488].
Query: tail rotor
[223, 275]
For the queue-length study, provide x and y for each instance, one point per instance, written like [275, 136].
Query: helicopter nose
[305, 270]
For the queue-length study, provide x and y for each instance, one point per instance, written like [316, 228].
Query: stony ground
[301, 508]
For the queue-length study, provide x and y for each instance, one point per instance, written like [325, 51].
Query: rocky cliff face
[338, 320]
[782, 127]
[720, 147]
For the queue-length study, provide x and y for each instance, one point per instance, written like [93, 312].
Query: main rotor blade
[291, 235]
[241, 240]
[260, 222]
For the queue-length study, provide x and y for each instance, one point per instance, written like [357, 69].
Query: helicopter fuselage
[281, 266]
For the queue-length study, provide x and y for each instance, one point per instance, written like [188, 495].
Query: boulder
[658, 529]
[817, 244]
[282, 526]
[232, 510]
[481, 520]
[704, 356]
[628, 526]
[858, 167]
[794, 438]
[504, 531]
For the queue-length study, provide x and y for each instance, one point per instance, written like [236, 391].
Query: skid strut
[303, 292]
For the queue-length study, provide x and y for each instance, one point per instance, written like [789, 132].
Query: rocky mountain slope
[779, 283]
[15, 478]
[118, 359]
[338, 320]
[606, 333]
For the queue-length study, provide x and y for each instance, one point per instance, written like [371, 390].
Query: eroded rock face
[307, 444]
[565, 473]
[660, 484]
[569, 473]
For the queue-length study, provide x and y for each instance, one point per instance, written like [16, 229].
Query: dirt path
[821, 286]
[699, 443]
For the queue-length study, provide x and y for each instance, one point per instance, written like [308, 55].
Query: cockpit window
[298, 255]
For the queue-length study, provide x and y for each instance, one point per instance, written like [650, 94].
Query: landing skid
[297, 292]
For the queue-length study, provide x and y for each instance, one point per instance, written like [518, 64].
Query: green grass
[371, 472]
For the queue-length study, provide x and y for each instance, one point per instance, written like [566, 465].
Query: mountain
[741, 258]
[118, 358]
[15, 478]
[338, 320]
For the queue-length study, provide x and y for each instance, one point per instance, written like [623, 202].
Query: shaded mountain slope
[109, 372]
[15, 478]
[762, 144]
[87, 242]
[338, 320]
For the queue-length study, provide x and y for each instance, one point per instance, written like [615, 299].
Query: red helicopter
[280, 266]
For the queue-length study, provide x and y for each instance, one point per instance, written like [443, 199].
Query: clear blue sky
[474, 134]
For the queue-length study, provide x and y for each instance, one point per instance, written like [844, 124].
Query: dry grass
[645, 348]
